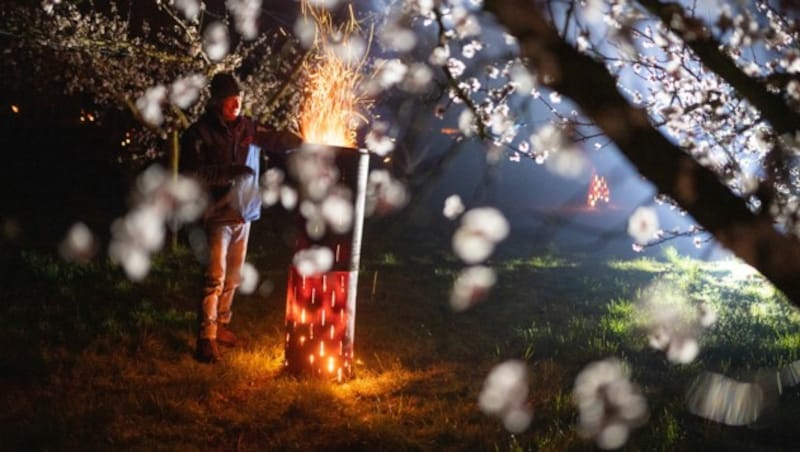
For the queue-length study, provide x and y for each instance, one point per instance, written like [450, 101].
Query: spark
[330, 111]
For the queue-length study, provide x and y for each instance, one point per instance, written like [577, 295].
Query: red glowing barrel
[321, 307]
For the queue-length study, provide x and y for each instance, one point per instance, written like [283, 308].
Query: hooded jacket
[217, 154]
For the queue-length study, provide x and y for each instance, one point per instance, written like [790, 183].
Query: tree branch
[696, 189]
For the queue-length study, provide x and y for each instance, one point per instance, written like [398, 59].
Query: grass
[90, 360]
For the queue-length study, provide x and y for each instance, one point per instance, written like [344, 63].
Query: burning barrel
[321, 303]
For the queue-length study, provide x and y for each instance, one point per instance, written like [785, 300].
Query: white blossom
[481, 228]
[338, 213]
[314, 260]
[418, 78]
[453, 207]
[378, 140]
[215, 41]
[79, 244]
[643, 224]
[189, 8]
[504, 395]
[439, 56]
[149, 105]
[245, 13]
[466, 122]
[609, 405]
[186, 90]
[249, 279]
[384, 193]
[471, 286]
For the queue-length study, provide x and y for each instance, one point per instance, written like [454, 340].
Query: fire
[330, 110]
[598, 191]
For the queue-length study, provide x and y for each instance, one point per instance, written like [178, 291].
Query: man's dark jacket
[219, 154]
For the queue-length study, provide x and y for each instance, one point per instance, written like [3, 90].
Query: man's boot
[207, 351]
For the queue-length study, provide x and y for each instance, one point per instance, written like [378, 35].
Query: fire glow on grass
[320, 307]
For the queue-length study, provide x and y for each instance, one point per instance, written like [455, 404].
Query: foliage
[116, 56]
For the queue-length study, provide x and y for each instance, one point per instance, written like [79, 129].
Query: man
[222, 150]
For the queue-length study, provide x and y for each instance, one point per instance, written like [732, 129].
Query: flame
[330, 111]
[598, 191]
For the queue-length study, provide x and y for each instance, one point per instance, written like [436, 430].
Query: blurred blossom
[504, 395]
[707, 314]
[466, 122]
[149, 105]
[594, 10]
[159, 201]
[78, 245]
[548, 139]
[315, 227]
[643, 224]
[245, 13]
[186, 198]
[471, 286]
[310, 261]
[134, 260]
[569, 162]
[439, 55]
[378, 140]
[609, 405]
[682, 349]
[555, 97]
[672, 323]
[517, 420]
[521, 77]
[49, 5]
[338, 213]
[424, 7]
[390, 72]
[471, 246]
[314, 169]
[488, 221]
[215, 41]
[305, 30]
[350, 51]
[398, 38]
[466, 24]
[481, 228]
[266, 288]
[724, 400]
[249, 280]
[327, 4]
[502, 125]
[189, 8]
[271, 183]
[288, 197]
[384, 193]
[144, 225]
[418, 78]
[453, 207]
[186, 90]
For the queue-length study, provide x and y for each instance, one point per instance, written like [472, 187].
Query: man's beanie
[224, 85]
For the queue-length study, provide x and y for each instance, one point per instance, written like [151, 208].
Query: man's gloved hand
[237, 172]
